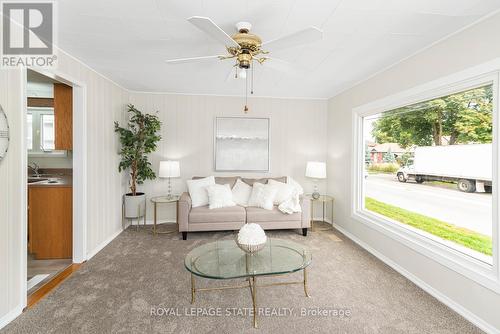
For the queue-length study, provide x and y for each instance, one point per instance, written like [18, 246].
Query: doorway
[55, 145]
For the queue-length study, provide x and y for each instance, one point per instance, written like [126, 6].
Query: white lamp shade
[316, 169]
[169, 168]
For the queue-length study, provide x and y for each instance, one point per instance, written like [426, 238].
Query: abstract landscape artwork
[242, 144]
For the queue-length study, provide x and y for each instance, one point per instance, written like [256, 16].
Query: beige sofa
[232, 218]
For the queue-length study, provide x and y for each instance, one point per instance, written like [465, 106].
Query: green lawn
[462, 236]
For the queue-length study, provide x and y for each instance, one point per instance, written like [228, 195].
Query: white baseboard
[14, 313]
[464, 312]
[103, 244]
[150, 222]
[319, 219]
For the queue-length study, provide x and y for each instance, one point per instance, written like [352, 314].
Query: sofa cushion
[256, 215]
[219, 196]
[241, 193]
[202, 214]
[284, 193]
[264, 180]
[262, 196]
[231, 180]
[197, 191]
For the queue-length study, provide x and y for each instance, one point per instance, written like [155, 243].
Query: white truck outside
[470, 166]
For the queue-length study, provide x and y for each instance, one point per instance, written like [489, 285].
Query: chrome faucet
[35, 168]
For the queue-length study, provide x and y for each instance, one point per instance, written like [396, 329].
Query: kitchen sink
[36, 179]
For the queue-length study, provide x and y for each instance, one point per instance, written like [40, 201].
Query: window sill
[51, 154]
[476, 270]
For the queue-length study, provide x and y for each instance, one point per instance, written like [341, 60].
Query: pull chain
[246, 95]
[251, 89]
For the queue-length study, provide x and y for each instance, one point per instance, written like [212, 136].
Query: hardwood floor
[47, 268]
[36, 296]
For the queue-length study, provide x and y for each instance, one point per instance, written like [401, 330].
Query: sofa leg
[184, 235]
[304, 231]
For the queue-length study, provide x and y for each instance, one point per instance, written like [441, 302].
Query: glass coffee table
[225, 260]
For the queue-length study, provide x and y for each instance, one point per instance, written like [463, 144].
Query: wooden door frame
[79, 169]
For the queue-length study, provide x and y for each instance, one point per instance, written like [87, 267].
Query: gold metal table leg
[252, 285]
[312, 216]
[193, 289]
[323, 212]
[145, 210]
[253, 289]
[305, 282]
[154, 220]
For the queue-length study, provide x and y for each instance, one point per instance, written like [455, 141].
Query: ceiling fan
[246, 47]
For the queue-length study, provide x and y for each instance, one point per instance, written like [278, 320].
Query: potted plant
[137, 140]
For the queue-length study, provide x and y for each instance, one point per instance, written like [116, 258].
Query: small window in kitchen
[47, 132]
[29, 134]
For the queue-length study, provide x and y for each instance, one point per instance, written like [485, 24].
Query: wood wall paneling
[40, 102]
[63, 116]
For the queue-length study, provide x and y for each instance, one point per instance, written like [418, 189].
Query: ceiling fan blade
[305, 36]
[231, 74]
[210, 28]
[279, 65]
[190, 60]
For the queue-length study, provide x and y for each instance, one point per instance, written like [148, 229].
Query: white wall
[105, 103]
[297, 134]
[53, 162]
[11, 198]
[465, 49]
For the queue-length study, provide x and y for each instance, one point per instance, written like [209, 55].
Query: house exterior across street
[377, 151]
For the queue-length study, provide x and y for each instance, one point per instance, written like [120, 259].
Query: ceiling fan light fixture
[242, 73]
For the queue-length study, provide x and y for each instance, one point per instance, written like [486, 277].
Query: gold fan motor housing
[248, 41]
[249, 46]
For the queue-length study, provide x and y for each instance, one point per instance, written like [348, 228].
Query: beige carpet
[115, 291]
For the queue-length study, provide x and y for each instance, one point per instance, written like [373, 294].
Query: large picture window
[429, 167]
[426, 171]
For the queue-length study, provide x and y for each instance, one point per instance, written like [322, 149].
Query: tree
[389, 157]
[368, 156]
[138, 140]
[464, 117]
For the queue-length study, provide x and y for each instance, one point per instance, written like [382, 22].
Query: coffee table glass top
[224, 259]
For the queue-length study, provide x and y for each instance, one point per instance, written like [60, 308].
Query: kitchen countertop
[64, 179]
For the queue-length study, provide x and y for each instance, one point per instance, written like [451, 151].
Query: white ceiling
[128, 40]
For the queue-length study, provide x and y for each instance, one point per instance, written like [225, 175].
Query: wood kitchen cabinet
[50, 220]
[63, 117]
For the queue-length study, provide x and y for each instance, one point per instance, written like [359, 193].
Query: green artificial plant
[138, 140]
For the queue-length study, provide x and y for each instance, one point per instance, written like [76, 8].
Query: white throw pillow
[197, 191]
[241, 193]
[219, 196]
[262, 196]
[295, 184]
[284, 193]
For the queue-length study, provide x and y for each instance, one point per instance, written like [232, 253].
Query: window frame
[28, 142]
[42, 132]
[36, 151]
[485, 274]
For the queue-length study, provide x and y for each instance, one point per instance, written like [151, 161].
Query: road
[472, 211]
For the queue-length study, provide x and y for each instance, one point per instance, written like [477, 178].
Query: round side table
[164, 200]
[324, 199]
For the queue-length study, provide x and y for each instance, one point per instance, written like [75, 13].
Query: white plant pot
[135, 206]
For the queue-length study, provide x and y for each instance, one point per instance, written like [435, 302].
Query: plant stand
[131, 220]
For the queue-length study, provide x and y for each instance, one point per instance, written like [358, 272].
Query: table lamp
[316, 170]
[169, 169]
